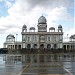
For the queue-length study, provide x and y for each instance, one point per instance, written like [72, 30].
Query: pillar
[31, 45]
[66, 47]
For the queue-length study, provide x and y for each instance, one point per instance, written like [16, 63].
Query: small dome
[42, 20]
[51, 28]
[60, 26]
[32, 28]
[24, 26]
[10, 36]
[72, 36]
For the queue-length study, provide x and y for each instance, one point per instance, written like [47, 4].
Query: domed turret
[42, 24]
[10, 38]
[42, 20]
[60, 26]
[24, 28]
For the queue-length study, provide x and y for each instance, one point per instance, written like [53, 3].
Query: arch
[42, 46]
[28, 46]
[24, 30]
[35, 46]
[64, 47]
[49, 46]
[55, 46]
[68, 47]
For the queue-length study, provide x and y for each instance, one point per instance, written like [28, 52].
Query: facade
[42, 39]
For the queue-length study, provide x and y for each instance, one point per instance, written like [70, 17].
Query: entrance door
[42, 46]
[49, 46]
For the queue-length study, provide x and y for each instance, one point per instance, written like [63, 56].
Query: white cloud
[28, 11]
[19, 14]
[8, 4]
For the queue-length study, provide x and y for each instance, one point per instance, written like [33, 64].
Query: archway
[48, 46]
[28, 46]
[35, 46]
[42, 46]
[64, 47]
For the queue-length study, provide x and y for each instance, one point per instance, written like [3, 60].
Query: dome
[51, 28]
[72, 36]
[10, 36]
[32, 28]
[59, 26]
[24, 26]
[42, 20]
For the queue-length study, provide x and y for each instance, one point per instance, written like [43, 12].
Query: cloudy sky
[15, 13]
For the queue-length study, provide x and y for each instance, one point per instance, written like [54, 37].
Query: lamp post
[16, 41]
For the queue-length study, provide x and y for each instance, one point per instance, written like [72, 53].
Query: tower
[42, 24]
[24, 28]
[59, 28]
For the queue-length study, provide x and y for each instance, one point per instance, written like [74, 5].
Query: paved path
[44, 69]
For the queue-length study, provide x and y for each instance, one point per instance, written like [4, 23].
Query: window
[60, 38]
[23, 37]
[28, 38]
[54, 38]
[48, 38]
[35, 38]
[42, 38]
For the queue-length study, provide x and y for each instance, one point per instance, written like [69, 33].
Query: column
[31, 45]
[66, 47]
[45, 45]
[14, 46]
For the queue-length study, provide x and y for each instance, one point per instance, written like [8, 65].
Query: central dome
[42, 20]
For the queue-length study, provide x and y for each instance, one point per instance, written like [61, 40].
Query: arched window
[48, 38]
[28, 46]
[48, 46]
[64, 47]
[42, 46]
[35, 46]
[68, 47]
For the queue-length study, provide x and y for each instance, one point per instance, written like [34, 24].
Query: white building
[42, 39]
[10, 42]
